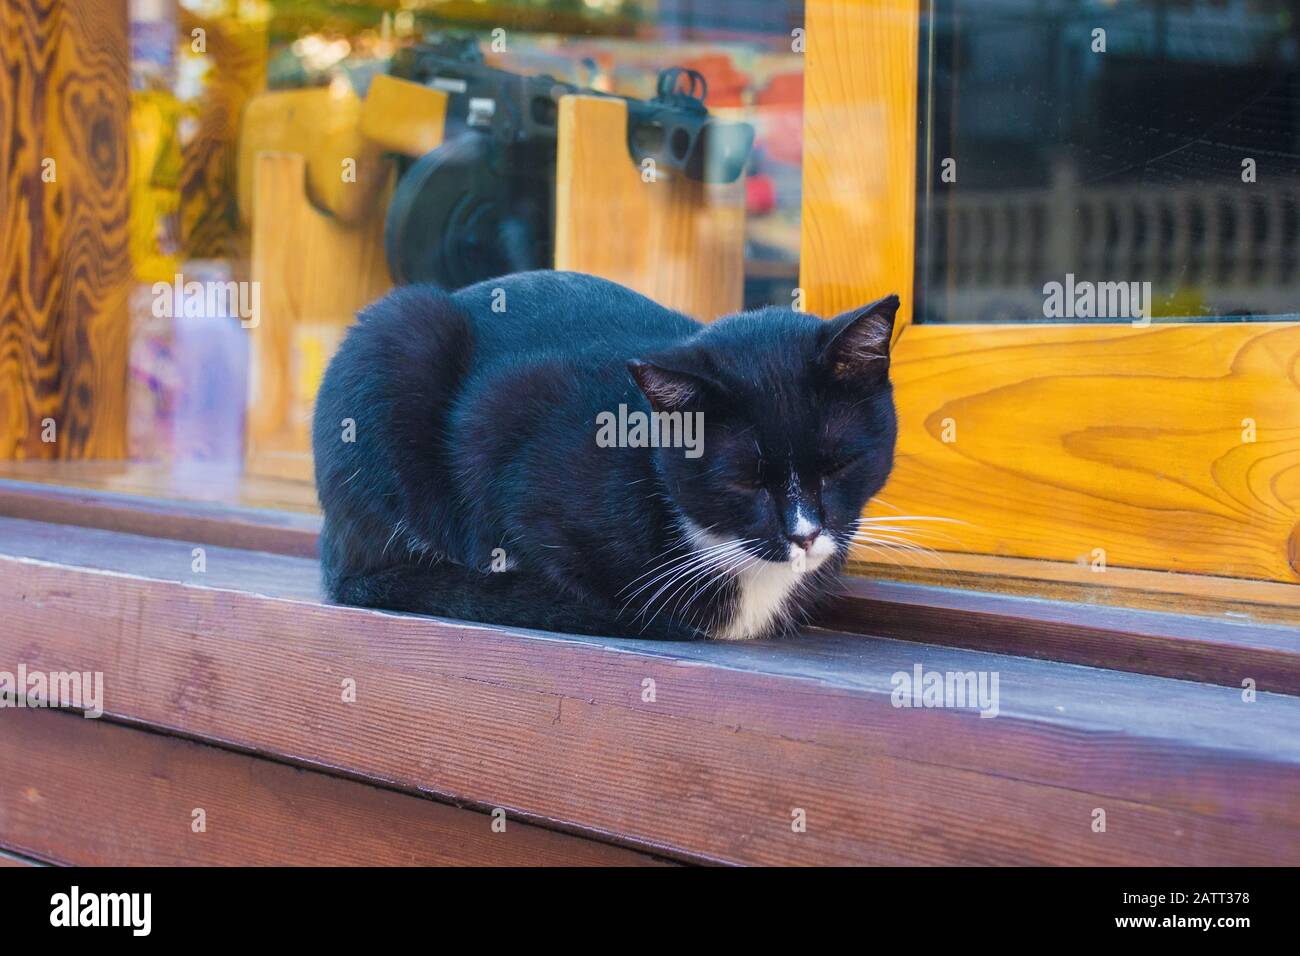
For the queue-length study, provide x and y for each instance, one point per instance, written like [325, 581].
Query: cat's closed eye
[748, 479]
[839, 464]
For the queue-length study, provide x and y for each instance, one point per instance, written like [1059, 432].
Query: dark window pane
[1108, 161]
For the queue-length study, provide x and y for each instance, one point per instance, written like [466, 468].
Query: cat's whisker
[681, 557]
[892, 522]
[682, 586]
[699, 559]
[728, 569]
[896, 540]
[908, 534]
[708, 574]
[675, 565]
[881, 551]
[875, 527]
[882, 519]
[668, 579]
[898, 545]
[711, 572]
[733, 568]
[683, 544]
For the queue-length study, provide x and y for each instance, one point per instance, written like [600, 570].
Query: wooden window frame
[1075, 443]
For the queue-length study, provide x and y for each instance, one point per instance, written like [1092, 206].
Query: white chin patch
[764, 587]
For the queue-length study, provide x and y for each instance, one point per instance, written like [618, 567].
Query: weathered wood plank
[1143, 642]
[252, 529]
[1185, 647]
[140, 809]
[1077, 581]
[736, 739]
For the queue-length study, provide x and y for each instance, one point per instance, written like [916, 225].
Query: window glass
[1125, 160]
[218, 83]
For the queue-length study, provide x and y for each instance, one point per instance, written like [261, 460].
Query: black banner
[303, 905]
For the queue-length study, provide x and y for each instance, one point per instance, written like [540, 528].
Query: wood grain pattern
[1082, 437]
[555, 728]
[66, 267]
[859, 154]
[257, 812]
[681, 243]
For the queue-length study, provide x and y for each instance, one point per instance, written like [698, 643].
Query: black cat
[490, 455]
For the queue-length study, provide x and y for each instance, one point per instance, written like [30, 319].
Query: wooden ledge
[733, 743]
[1184, 646]
[202, 522]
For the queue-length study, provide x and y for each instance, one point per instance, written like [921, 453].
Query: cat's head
[798, 429]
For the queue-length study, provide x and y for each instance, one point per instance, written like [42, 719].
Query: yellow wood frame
[1170, 447]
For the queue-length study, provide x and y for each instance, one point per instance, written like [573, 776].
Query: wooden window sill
[555, 730]
[1223, 649]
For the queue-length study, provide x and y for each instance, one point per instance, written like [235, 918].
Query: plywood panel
[64, 252]
[682, 243]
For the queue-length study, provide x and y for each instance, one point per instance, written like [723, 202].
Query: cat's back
[568, 314]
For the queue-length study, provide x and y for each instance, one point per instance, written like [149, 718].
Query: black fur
[476, 428]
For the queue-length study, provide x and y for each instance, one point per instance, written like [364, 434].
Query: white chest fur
[764, 590]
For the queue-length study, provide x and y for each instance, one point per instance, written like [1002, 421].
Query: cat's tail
[380, 433]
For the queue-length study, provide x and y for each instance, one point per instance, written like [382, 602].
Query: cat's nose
[805, 536]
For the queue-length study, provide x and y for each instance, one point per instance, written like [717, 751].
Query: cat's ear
[667, 389]
[857, 347]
